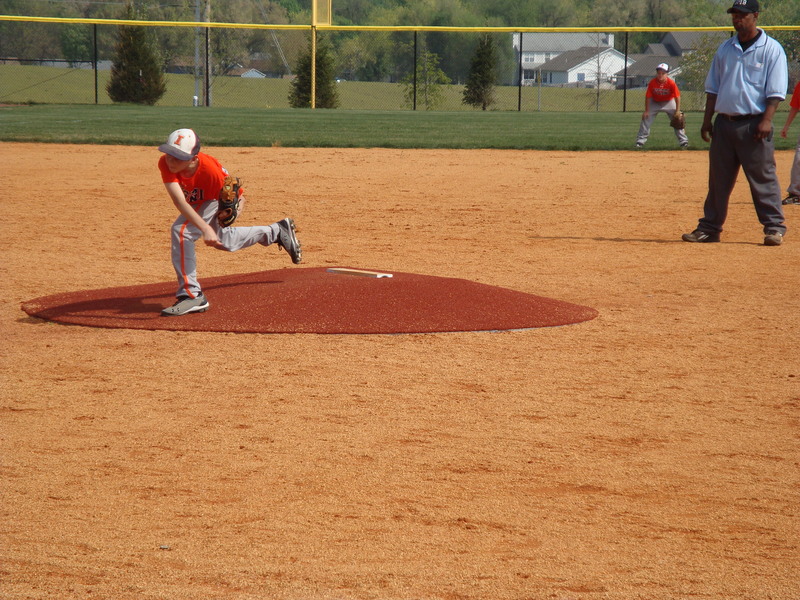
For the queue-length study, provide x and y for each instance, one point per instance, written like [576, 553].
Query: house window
[581, 76]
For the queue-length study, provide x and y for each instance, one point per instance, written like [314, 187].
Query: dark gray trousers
[733, 146]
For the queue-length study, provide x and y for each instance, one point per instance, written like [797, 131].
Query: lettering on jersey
[662, 91]
[193, 197]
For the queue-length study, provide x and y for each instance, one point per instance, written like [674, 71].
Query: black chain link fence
[70, 63]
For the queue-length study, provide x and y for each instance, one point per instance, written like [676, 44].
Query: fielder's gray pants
[733, 146]
[794, 183]
[184, 236]
[668, 108]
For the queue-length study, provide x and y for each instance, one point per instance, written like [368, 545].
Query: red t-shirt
[662, 92]
[204, 185]
[795, 102]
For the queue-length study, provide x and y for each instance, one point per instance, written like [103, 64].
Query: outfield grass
[149, 126]
[50, 85]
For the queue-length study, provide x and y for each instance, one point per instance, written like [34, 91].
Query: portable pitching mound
[317, 300]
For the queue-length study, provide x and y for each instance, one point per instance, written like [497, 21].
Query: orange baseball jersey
[795, 102]
[662, 92]
[204, 185]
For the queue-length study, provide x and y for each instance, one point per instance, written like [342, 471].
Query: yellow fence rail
[44, 78]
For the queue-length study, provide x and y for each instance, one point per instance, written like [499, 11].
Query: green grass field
[145, 125]
[44, 104]
[51, 85]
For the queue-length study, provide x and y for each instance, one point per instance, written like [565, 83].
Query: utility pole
[196, 53]
[313, 54]
[209, 61]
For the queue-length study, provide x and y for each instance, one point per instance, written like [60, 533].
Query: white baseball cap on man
[663, 67]
[183, 144]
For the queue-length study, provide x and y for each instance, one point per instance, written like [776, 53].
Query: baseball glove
[228, 201]
[678, 121]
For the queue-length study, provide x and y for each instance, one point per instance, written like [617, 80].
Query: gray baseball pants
[668, 108]
[184, 236]
[733, 146]
[794, 181]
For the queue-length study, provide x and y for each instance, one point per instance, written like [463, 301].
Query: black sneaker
[186, 305]
[288, 241]
[791, 200]
[773, 238]
[700, 237]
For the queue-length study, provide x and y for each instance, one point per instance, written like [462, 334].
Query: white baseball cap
[183, 144]
[663, 67]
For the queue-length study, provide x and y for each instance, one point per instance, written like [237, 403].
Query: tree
[783, 12]
[694, 68]
[664, 13]
[430, 79]
[371, 56]
[136, 74]
[326, 95]
[790, 40]
[602, 61]
[76, 43]
[479, 90]
[616, 14]
[556, 14]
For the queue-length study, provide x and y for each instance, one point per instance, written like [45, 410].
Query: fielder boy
[662, 95]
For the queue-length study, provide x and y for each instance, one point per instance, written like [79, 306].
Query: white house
[588, 66]
[538, 48]
[253, 73]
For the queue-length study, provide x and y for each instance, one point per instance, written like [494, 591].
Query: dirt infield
[651, 452]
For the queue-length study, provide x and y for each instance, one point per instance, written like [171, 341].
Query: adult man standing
[748, 79]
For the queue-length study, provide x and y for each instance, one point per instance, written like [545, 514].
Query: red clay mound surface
[313, 300]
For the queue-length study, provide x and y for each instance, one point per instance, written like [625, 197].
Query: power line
[275, 38]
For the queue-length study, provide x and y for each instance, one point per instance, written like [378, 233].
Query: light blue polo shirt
[743, 81]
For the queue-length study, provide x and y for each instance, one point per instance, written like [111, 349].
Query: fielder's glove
[228, 201]
[678, 121]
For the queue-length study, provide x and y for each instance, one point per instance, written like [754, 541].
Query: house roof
[569, 60]
[240, 71]
[645, 65]
[680, 42]
[252, 73]
[658, 49]
[561, 42]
